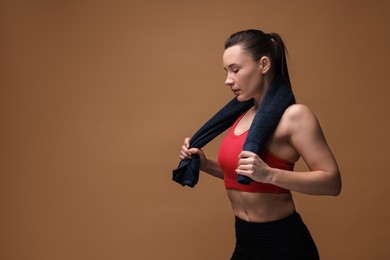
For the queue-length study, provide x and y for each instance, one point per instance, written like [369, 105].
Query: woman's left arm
[307, 138]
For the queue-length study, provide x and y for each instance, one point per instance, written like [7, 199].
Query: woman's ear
[265, 64]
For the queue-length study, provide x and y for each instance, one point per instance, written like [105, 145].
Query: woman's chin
[242, 98]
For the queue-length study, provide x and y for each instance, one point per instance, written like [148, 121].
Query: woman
[267, 224]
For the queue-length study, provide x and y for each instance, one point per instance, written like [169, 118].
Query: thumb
[195, 151]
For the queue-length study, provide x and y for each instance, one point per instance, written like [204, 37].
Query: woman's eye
[235, 71]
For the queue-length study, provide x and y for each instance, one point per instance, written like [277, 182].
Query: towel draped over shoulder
[276, 100]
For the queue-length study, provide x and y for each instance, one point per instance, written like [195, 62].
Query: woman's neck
[257, 99]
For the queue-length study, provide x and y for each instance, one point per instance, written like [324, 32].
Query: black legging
[285, 239]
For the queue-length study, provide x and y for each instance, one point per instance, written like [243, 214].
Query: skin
[298, 135]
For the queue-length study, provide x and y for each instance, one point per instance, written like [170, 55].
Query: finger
[246, 167]
[246, 161]
[185, 150]
[245, 154]
[244, 172]
[183, 155]
[195, 151]
[187, 142]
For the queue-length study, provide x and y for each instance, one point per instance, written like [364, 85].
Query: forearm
[212, 167]
[311, 182]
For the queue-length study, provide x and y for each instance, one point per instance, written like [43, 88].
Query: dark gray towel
[278, 97]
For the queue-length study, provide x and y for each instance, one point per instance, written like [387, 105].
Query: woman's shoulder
[298, 112]
[297, 116]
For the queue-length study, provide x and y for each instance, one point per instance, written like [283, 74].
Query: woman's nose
[229, 82]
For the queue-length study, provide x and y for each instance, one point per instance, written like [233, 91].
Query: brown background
[97, 97]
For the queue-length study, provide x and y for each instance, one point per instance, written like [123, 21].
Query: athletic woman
[266, 221]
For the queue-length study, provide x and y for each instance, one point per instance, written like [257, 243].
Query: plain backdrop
[96, 98]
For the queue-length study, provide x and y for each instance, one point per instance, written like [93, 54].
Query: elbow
[335, 191]
[336, 185]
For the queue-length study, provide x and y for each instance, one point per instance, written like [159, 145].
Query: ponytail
[280, 58]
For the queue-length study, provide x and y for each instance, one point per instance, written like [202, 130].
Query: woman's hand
[186, 152]
[251, 165]
[209, 166]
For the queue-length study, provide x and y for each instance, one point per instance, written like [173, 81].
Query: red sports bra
[231, 147]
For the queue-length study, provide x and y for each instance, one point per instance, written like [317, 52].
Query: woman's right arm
[208, 166]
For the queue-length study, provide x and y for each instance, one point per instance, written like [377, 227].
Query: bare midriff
[260, 207]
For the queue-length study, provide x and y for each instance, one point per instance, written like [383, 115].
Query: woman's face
[244, 75]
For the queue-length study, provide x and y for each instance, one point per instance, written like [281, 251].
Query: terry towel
[276, 100]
